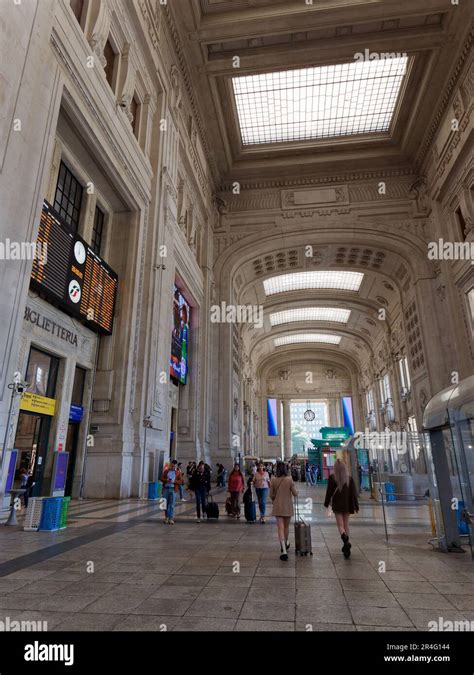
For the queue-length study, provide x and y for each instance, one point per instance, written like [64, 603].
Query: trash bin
[389, 490]
[463, 527]
[153, 490]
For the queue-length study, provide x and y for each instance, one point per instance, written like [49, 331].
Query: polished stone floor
[119, 567]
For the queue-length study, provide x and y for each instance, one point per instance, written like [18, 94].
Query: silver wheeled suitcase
[302, 534]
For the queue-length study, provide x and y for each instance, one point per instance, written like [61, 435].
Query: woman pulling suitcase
[282, 489]
[341, 493]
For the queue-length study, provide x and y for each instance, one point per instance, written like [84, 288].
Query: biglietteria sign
[50, 326]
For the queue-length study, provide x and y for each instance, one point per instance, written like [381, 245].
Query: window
[386, 387]
[68, 198]
[404, 374]
[370, 401]
[310, 314]
[307, 337]
[77, 6]
[97, 231]
[295, 281]
[135, 111]
[470, 299]
[109, 68]
[309, 103]
[41, 373]
[461, 223]
[382, 394]
[78, 386]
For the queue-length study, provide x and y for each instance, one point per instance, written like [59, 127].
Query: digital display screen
[180, 338]
[347, 413]
[71, 274]
[272, 417]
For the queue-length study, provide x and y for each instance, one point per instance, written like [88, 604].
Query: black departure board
[71, 274]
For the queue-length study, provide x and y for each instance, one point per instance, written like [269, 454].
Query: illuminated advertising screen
[72, 275]
[180, 337]
[347, 413]
[272, 417]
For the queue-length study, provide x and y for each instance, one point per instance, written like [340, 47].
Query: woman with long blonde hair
[342, 495]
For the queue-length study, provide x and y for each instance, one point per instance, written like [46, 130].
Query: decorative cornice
[121, 156]
[320, 180]
[189, 88]
[446, 98]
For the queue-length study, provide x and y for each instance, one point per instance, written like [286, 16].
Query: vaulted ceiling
[278, 35]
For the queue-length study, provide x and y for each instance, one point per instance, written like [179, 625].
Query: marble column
[287, 429]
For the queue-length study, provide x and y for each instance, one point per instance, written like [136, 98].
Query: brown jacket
[342, 501]
[281, 490]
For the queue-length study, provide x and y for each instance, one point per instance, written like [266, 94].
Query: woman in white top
[261, 482]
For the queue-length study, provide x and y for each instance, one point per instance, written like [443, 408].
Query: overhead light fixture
[310, 314]
[327, 101]
[307, 337]
[296, 281]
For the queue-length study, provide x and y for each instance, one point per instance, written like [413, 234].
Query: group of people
[341, 494]
[312, 472]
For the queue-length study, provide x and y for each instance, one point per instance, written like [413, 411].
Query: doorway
[32, 436]
[71, 447]
[173, 425]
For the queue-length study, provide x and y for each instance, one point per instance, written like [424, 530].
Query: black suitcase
[302, 534]
[212, 508]
[250, 511]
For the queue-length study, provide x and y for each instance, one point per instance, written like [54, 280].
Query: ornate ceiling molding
[321, 180]
[446, 98]
[178, 46]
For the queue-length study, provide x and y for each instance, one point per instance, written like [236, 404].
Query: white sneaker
[171, 522]
[166, 521]
[198, 520]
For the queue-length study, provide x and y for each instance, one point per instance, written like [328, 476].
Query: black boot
[346, 549]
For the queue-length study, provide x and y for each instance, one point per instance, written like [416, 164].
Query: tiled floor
[118, 567]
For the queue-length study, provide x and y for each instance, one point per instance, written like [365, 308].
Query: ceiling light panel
[307, 337]
[310, 314]
[296, 281]
[310, 103]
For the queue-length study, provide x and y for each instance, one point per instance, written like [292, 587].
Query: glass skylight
[307, 337]
[310, 314]
[296, 281]
[310, 103]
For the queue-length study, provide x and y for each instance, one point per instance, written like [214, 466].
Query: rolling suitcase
[250, 508]
[212, 508]
[250, 511]
[302, 534]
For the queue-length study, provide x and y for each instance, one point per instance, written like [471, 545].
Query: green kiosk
[324, 452]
